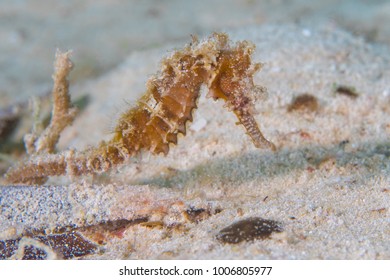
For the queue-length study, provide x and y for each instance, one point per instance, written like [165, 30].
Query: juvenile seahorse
[163, 111]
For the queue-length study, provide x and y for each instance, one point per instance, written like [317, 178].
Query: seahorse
[164, 110]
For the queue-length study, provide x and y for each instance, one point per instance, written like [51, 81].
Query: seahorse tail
[37, 170]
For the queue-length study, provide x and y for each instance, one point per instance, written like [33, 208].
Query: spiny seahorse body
[162, 113]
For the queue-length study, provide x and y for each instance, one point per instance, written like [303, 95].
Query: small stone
[304, 102]
[248, 230]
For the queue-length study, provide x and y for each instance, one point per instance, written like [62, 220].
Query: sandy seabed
[328, 183]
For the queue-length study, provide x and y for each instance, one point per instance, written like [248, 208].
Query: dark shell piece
[8, 248]
[248, 230]
[68, 245]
